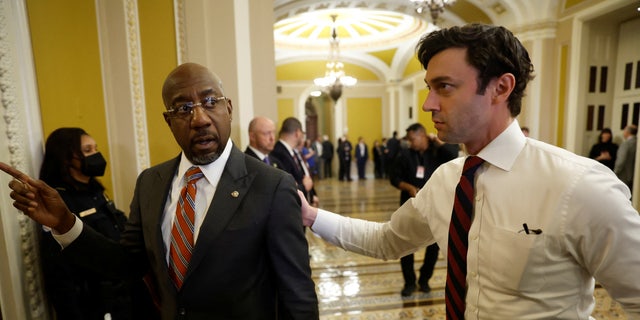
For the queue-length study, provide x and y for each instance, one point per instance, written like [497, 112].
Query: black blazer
[251, 254]
[281, 153]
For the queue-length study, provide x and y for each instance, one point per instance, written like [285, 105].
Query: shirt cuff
[65, 239]
[326, 224]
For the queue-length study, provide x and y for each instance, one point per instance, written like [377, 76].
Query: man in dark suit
[249, 259]
[287, 152]
[412, 168]
[344, 153]
[393, 146]
[262, 139]
[362, 155]
[327, 155]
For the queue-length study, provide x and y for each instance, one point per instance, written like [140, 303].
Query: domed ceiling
[380, 35]
[374, 34]
[357, 29]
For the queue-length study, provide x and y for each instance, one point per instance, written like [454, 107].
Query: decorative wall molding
[181, 43]
[17, 148]
[137, 83]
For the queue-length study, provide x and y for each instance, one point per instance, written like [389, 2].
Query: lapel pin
[235, 194]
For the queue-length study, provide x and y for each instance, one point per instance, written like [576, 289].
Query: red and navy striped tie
[182, 231]
[461, 217]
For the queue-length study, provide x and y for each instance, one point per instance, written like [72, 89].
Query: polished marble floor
[355, 287]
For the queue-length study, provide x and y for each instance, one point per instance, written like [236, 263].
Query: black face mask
[94, 165]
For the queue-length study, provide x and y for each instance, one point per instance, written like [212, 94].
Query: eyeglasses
[185, 110]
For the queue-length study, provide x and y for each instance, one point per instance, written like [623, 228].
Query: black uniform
[77, 293]
[405, 168]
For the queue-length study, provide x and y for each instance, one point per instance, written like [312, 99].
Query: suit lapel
[231, 190]
[157, 198]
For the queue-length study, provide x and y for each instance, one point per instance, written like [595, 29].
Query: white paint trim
[242, 20]
[21, 295]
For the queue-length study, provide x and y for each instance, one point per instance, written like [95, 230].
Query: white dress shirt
[206, 188]
[589, 229]
[258, 153]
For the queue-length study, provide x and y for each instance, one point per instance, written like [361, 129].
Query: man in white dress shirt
[546, 223]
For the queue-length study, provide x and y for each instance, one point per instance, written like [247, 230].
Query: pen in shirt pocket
[530, 231]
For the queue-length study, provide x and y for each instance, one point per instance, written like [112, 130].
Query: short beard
[205, 159]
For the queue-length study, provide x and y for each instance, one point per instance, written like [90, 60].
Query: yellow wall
[159, 57]
[68, 73]
[285, 109]
[424, 117]
[413, 66]
[364, 118]
[562, 91]
[309, 70]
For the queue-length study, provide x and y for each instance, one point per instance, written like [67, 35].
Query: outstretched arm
[309, 213]
[38, 201]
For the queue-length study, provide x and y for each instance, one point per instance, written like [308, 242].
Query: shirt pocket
[517, 260]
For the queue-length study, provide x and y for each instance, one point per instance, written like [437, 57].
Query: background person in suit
[327, 155]
[393, 146]
[344, 153]
[605, 151]
[626, 156]
[413, 167]
[250, 259]
[287, 152]
[262, 139]
[362, 156]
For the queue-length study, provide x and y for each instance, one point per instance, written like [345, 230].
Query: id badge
[420, 172]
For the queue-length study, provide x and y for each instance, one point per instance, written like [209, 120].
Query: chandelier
[435, 7]
[334, 77]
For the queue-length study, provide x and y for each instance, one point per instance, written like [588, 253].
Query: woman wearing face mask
[71, 164]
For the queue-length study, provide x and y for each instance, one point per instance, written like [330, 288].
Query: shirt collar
[260, 155]
[505, 148]
[289, 148]
[212, 171]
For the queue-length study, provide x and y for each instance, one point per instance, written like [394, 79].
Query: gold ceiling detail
[358, 29]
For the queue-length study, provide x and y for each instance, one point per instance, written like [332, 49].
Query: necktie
[182, 230]
[266, 160]
[461, 217]
[299, 162]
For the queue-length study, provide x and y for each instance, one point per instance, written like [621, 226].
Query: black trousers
[426, 271]
[327, 168]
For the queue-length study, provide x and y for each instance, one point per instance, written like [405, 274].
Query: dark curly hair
[492, 50]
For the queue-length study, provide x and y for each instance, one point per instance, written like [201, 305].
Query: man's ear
[503, 87]
[230, 109]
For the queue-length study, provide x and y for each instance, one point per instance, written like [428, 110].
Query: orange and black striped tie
[461, 217]
[182, 231]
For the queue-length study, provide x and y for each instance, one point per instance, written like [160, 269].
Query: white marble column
[234, 38]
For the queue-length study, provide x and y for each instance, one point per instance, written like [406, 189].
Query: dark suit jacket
[364, 156]
[250, 253]
[281, 153]
[274, 162]
[327, 150]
